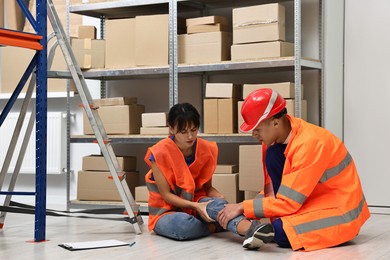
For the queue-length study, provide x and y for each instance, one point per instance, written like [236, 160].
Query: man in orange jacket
[312, 192]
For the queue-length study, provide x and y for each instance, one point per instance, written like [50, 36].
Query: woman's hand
[201, 209]
[229, 212]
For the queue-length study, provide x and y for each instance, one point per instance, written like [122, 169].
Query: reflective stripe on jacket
[320, 199]
[185, 181]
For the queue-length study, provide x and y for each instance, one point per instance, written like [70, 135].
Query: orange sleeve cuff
[248, 209]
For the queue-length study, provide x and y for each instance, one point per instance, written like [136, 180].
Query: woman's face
[185, 139]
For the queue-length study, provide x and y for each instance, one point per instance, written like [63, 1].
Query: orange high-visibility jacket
[185, 181]
[320, 199]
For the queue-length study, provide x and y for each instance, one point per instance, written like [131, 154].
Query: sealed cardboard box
[120, 43]
[251, 168]
[285, 89]
[223, 90]
[240, 120]
[227, 185]
[115, 101]
[89, 53]
[227, 116]
[261, 23]
[226, 168]
[95, 185]
[1, 13]
[151, 34]
[262, 50]
[210, 116]
[154, 119]
[290, 105]
[98, 163]
[204, 28]
[118, 119]
[207, 20]
[10, 76]
[141, 194]
[154, 130]
[87, 32]
[204, 47]
[220, 116]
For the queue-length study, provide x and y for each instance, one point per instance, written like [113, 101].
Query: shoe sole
[262, 236]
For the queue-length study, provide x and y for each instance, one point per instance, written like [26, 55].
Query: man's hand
[228, 213]
[201, 209]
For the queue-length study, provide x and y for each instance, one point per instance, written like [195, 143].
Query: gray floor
[372, 243]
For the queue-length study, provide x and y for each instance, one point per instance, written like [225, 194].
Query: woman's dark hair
[183, 115]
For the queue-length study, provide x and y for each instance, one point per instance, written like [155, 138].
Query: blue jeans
[183, 226]
[274, 161]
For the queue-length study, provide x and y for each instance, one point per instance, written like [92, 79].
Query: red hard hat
[259, 105]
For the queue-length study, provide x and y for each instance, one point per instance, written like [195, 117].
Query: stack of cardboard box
[220, 108]
[88, 51]
[259, 32]
[141, 194]
[207, 40]
[95, 181]
[285, 89]
[154, 124]
[119, 115]
[225, 180]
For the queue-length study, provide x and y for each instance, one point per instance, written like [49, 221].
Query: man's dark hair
[183, 115]
[281, 113]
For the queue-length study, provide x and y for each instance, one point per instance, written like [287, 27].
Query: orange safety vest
[320, 200]
[185, 181]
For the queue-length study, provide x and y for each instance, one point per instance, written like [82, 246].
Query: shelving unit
[130, 8]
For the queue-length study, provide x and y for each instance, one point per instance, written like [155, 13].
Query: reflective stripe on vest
[178, 191]
[182, 193]
[258, 208]
[337, 169]
[331, 221]
[152, 187]
[156, 211]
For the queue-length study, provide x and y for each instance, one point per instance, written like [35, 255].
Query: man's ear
[275, 122]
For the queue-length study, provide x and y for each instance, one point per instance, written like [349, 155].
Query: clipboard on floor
[74, 246]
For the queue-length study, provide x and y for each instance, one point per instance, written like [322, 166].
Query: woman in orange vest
[312, 191]
[183, 204]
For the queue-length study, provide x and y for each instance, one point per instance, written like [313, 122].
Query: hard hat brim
[246, 128]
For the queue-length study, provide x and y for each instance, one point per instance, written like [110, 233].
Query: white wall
[367, 94]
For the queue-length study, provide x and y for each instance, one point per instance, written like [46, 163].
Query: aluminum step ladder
[91, 111]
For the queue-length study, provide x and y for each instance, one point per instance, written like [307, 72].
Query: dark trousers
[274, 162]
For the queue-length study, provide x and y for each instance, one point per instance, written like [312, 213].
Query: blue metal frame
[40, 62]
[41, 122]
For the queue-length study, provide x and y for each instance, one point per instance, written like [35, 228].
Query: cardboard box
[204, 28]
[154, 130]
[141, 194]
[118, 119]
[115, 101]
[220, 116]
[10, 76]
[261, 23]
[240, 120]
[262, 50]
[93, 185]
[223, 90]
[98, 163]
[14, 17]
[89, 53]
[206, 20]
[120, 43]
[227, 185]
[152, 38]
[2, 13]
[204, 47]
[87, 32]
[290, 105]
[251, 168]
[154, 119]
[226, 168]
[210, 116]
[250, 195]
[285, 89]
